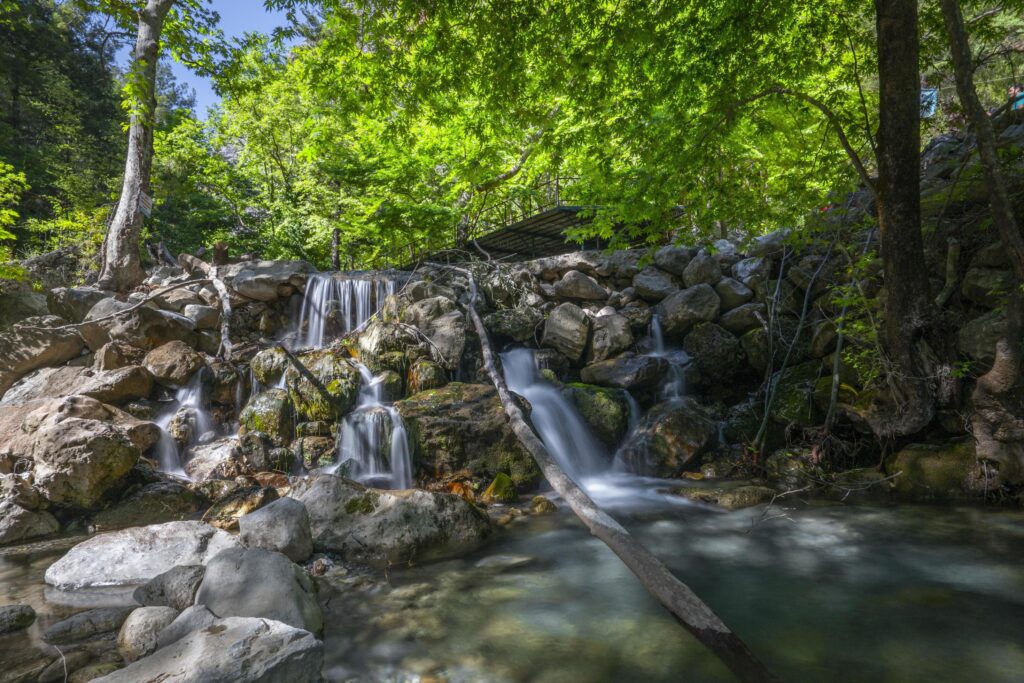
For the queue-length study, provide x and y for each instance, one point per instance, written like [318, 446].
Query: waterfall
[557, 422]
[190, 398]
[372, 442]
[675, 384]
[335, 305]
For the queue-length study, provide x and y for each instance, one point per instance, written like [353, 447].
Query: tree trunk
[122, 268]
[909, 405]
[336, 249]
[691, 612]
[998, 397]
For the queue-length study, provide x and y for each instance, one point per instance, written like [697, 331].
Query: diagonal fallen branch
[673, 594]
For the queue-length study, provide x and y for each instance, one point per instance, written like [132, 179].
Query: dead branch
[191, 264]
[673, 594]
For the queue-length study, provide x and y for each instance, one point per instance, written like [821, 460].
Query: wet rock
[281, 526]
[654, 284]
[424, 375]
[252, 582]
[684, 309]
[18, 524]
[576, 285]
[225, 512]
[638, 314]
[137, 637]
[173, 363]
[716, 352]
[977, 338]
[87, 624]
[790, 467]
[520, 324]
[987, 287]
[218, 459]
[73, 303]
[258, 453]
[236, 649]
[703, 269]
[175, 588]
[734, 498]
[501, 490]
[463, 426]
[267, 280]
[744, 318]
[606, 411]
[611, 336]
[27, 348]
[335, 373]
[165, 501]
[668, 439]
[541, 505]
[269, 365]
[732, 293]
[566, 330]
[942, 472]
[136, 555]
[373, 526]
[315, 451]
[626, 372]
[672, 259]
[16, 618]
[381, 342]
[269, 412]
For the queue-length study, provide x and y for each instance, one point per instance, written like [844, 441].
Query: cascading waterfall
[335, 305]
[557, 422]
[189, 398]
[372, 442]
[675, 384]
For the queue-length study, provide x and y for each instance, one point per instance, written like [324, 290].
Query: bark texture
[998, 396]
[122, 267]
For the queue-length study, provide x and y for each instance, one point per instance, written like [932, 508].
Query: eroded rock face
[336, 374]
[237, 649]
[136, 555]
[253, 582]
[566, 330]
[372, 526]
[26, 348]
[668, 439]
[462, 426]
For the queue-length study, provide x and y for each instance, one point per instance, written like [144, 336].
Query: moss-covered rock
[501, 490]
[791, 467]
[794, 397]
[315, 451]
[270, 412]
[268, 365]
[730, 498]
[542, 505]
[425, 375]
[225, 512]
[337, 376]
[605, 410]
[463, 427]
[947, 471]
[668, 439]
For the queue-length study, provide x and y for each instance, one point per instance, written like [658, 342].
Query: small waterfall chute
[194, 422]
[336, 304]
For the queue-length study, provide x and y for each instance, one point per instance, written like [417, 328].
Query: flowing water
[675, 385]
[335, 305]
[190, 400]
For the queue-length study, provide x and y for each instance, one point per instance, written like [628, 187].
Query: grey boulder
[137, 637]
[566, 330]
[282, 526]
[175, 588]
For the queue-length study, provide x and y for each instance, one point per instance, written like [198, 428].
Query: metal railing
[549, 193]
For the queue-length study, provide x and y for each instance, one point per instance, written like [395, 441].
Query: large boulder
[173, 363]
[388, 346]
[944, 472]
[703, 269]
[137, 637]
[33, 343]
[519, 324]
[267, 280]
[253, 582]
[672, 259]
[732, 293]
[463, 427]
[684, 309]
[611, 335]
[109, 386]
[335, 373]
[175, 588]
[716, 352]
[388, 527]
[282, 526]
[144, 328]
[744, 318]
[447, 335]
[752, 270]
[160, 501]
[236, 649]
[566, 330]
[270, 412]
[576, 285]
[73, 303]
[654, 284]
[668, 439]
[18, 524]
[627, 372]
[606, 411]
[220, 459]
[269, 365]
[136, 555]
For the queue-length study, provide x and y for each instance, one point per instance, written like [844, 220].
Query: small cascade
[557, 422]
[372, 442]
[190, 400]
[675, 383]
[335, 305]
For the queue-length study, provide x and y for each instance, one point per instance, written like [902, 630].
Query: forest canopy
[389, 129]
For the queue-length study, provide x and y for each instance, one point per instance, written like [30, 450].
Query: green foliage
[861, 321]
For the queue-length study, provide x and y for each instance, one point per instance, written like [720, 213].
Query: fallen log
[191, 264]
[691, 612]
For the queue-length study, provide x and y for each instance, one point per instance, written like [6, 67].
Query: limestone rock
[144, 328]
[224, 513]
[270, 412]
[566, 330]
[265, 280]
[269, 365]
[204, 317]
[742, 319]
[237, 649]
[519, 324]
[282, 526]
[73, 303]
[716, 352]
[136, 555]
[16, 618]
[335, 373]
[606, 411]
[155, 503]
[732, 293]
[672, 259]
[752, 270]
[374, 526]
[18, 524]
